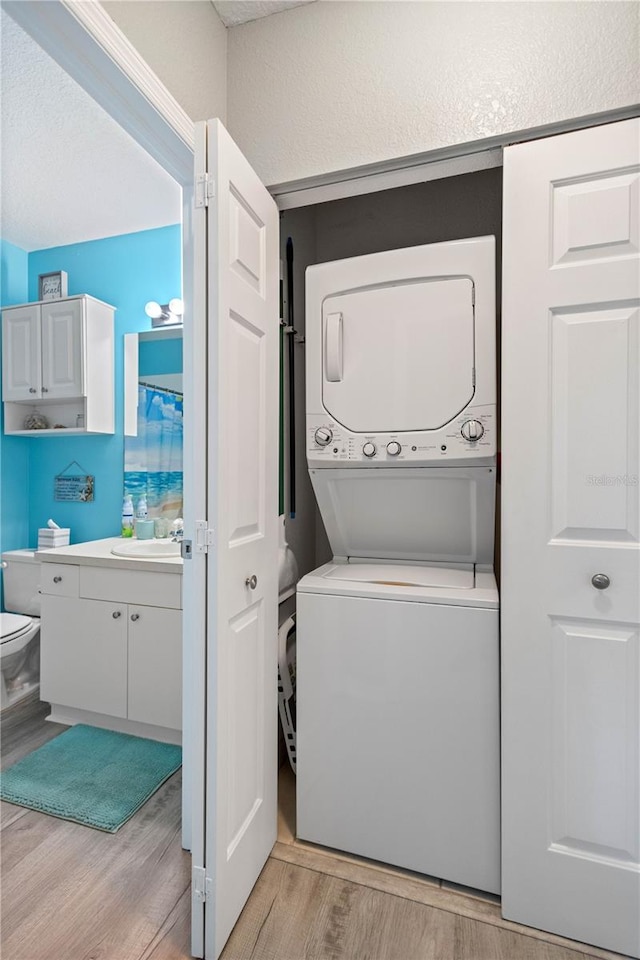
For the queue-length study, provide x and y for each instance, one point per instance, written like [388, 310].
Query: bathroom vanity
[111, 639]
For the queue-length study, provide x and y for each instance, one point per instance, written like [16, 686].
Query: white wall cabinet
[116, 659]
[58, 356]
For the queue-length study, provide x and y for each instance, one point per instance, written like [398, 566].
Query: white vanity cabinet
[111, 655]
[58, 356]
[83, 654]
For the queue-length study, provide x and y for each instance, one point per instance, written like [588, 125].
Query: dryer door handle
[333, 347]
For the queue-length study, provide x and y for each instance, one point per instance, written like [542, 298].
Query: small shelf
[61, 431]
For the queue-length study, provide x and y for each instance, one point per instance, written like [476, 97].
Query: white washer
[398, 717]
[397, 638]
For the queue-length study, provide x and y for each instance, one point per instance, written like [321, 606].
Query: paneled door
[571, 536]
[242, 568]
[62, 349]
[21, 366]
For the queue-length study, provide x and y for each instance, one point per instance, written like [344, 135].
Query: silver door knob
[116, 614]
[600, 581]
[57, 579]
[251, 582]
[135, 616]
[32, 390]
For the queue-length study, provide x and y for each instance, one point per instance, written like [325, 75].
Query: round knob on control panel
[393, 448]
[369, 449]
[323, 436]
[472, 430]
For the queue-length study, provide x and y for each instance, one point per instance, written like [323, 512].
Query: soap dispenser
[127, 516]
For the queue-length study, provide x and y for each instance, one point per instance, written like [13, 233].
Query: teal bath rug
[95, 777]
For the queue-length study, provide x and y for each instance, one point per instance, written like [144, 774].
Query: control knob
[323, 436]
[472, 430]
[393, 448]
[369, 449]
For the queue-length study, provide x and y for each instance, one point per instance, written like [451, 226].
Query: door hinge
[200, 544]
[203, 538]
[205, 190]
[202, 885]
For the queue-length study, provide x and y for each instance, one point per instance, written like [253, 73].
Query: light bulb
[153, 310]
[176, 306]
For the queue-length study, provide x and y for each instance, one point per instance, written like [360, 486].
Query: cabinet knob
[251, 582]
[135, 616]
[32, 390]
[116, 614]
[600, 581]
[44, 390]
[57, 579]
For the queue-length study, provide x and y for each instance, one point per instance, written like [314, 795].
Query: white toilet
[20, 628]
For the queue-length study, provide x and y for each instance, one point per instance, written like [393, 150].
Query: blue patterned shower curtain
[153, 459]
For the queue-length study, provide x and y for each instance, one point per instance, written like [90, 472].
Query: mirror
[153, 421]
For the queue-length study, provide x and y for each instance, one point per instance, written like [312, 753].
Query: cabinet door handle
[57, 579]
[44, 390]
[116, 614]
[135, 616]
[32, 390]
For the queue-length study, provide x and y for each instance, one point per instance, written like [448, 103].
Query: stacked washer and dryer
[397, 637]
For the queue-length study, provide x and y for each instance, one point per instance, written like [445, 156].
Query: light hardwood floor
[73, 893]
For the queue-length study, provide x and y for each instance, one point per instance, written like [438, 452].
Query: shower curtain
[153, 459]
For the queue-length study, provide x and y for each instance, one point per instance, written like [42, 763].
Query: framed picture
[52, 286]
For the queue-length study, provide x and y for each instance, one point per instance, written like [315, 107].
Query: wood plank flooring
[73, 893]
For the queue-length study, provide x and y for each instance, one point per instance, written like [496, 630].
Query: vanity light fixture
[165, 314]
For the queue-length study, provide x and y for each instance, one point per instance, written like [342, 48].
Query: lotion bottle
[127, 516]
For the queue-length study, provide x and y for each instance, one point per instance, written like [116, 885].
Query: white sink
[147, 549]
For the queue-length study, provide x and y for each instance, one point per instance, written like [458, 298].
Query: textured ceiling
[234, 12]
[69, 172]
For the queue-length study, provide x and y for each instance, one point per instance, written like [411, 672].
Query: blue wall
[14, 451]
[125, 271]
[160, 356]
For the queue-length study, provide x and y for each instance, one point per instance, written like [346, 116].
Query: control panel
[469, 437]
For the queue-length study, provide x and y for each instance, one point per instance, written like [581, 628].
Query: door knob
[116, 614]
[251, 582]
[600, 581]
[135, 616]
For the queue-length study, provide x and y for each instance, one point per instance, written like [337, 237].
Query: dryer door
[400, 356]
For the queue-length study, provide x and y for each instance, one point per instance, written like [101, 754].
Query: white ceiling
[69, 172]
[234, 12]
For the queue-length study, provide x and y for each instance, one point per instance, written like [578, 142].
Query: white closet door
[570, 524]
[242, 579]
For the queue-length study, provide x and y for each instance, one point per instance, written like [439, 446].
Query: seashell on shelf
[36, 421]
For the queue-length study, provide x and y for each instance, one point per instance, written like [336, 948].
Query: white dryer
[397, 638]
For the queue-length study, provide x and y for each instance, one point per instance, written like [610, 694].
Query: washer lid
[13, 624]
[403, 575]
[433, 514]
[399, 356]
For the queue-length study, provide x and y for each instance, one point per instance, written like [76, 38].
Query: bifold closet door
[570, 536]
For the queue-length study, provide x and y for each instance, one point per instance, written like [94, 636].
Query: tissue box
[49, 538]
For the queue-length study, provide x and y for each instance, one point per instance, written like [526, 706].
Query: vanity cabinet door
[84, 654]
[155, 666]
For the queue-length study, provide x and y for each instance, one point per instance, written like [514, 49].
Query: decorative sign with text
[73, 488]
